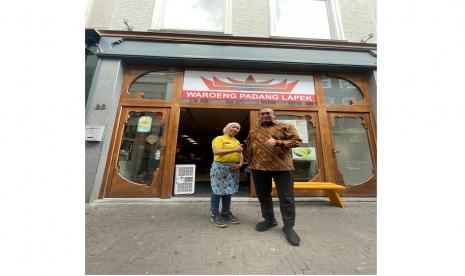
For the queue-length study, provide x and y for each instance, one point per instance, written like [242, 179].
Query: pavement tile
[158, 238]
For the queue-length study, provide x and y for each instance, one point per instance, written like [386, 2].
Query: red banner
[247, 96]
[244, 86]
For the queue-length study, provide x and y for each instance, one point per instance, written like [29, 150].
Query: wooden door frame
[112, 172]
[367, 187]
[136, 101]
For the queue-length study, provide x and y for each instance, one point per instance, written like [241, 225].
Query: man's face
[266, 116]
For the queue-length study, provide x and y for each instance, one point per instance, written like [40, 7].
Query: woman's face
[233, 130]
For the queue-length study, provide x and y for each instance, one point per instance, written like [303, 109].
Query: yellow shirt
[226, 142]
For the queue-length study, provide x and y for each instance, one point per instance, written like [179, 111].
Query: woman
[224, 174]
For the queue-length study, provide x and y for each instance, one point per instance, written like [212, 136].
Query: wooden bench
[329, 187]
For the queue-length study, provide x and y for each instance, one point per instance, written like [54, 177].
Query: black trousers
[284, 182]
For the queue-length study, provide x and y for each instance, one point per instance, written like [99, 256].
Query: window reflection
[352, 150]
[206, 15]
[340, 92]
[154, 85]
[300, 18]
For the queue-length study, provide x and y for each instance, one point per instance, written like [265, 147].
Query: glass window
[155, 85]
[304, 157]
[201, 15]
[139, 155]
[300, 18]
[352, 150]
[340, 92]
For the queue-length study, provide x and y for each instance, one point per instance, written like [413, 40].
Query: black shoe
[229, 217]
[218, 220]
[266, 224]
[291, 236]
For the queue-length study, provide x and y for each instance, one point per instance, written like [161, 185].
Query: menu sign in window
[144, 124]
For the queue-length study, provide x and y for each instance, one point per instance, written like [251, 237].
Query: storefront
[170, 109]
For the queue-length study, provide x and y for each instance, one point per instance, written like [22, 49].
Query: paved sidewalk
[176, 237]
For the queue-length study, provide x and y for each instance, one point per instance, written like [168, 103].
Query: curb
[177, 200]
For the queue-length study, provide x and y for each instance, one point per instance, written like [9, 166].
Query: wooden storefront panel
[320, 116]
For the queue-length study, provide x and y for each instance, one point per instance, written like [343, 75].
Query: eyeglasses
[264, 113]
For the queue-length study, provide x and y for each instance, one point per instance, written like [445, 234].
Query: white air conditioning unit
[184, 179]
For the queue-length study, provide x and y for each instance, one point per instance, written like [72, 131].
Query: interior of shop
[197, 128]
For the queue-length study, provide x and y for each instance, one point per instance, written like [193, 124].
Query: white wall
[249, 18]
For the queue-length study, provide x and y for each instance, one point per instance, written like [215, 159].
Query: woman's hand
[238, 166]
[239, 148]
[227, 151]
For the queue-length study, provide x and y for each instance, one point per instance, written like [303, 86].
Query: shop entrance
[197, 128]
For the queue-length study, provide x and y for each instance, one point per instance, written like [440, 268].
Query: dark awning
[234, 53]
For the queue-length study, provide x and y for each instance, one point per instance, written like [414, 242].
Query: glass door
[138, 155]
[354, 150]
[307, 158]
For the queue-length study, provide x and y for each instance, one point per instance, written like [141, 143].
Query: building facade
[163, 77]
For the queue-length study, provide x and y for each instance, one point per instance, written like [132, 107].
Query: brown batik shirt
[260, 156]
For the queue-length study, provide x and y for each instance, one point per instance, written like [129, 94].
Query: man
[270, 157]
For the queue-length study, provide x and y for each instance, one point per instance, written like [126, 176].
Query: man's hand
[271, 142]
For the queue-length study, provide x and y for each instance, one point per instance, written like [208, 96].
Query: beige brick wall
[100, 13]
[138, 12]
[109, 14]
[250, 18]
[358, 19]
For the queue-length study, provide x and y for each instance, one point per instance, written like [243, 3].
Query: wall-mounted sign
[248, 86]
[144, 124]
[304, 153]
[94, 133]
